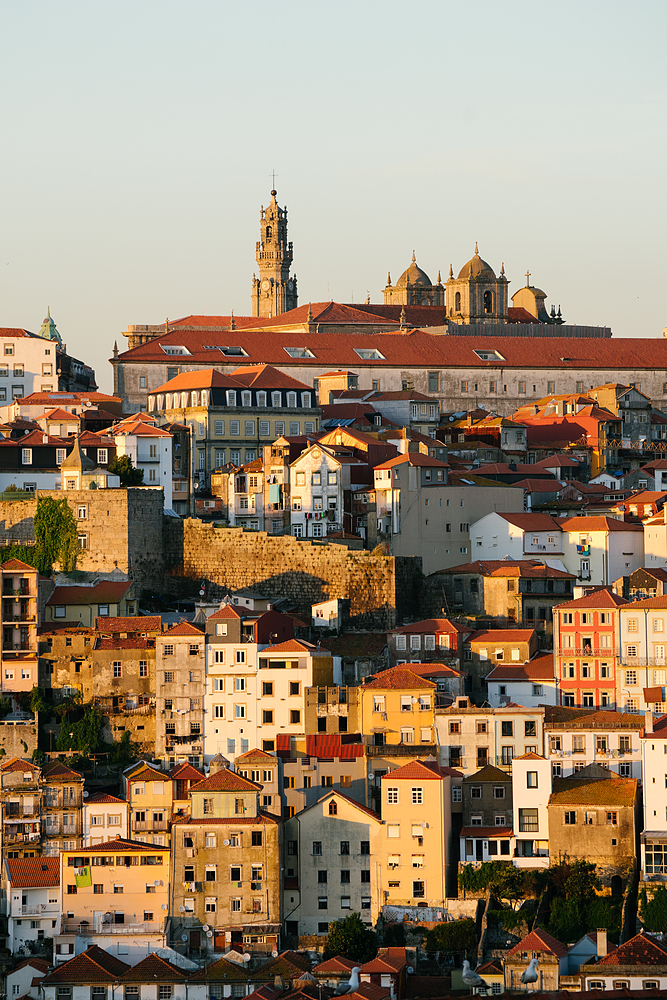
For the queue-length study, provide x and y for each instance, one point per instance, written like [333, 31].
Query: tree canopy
[350, 937]
[122, 466]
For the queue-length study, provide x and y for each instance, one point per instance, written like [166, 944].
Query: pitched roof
[533, 522]
[186, 772]
[19, 764]
[430, 625]
[541, 668]
[334, 965]
[288, 965]
[135, 623]
[104, 592]
[639, 950]
[413, 458]
[510, 567]
[502, 635]
[60, 772]
[225, 781]
[486, 831]
[255, 755]
[103, 797]
[602, 598]
[17, 564]
[221, 971]
[487, 773]
[119, 844]
[26, 873]
[397, 679]
[154, 968]
[416, 769]
[92, 966]
[292, 646]
[606, 792]
[185, 628]
[539, 940]
[650, 602]
[598, 523]
[144, 772]
[327, 745]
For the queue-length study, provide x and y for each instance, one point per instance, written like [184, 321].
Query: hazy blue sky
[138, 140]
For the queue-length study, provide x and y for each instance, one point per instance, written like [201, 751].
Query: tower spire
[274, 289]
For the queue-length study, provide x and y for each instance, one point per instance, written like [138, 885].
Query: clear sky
[138, 140]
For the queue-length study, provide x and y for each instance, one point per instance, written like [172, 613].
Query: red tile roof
[185, 628]
[103, 797]
[186, 772]
[225, 781]
[17, 564]
[370, 991]
[260, 819]
[60, 772]
[502, 635]
[118, 844]
[92, 966]
[510, 567]
[291, 646]
[533, 522]
[118, 644]
[598, 523]
[413, 458]
[154, 968]
[27, 873]
[397, 679]
[598, 599]
[639, 950]
[415, 769]
[19, 764]
[601, 792]
[255, 755]
[650, 602]
[541, 668]
[288, 965]
[136, 623]
[330, 745]
[539, 940]
[486, 831]
[144, 772]
[430, 625]
[334, 965]
[387, 960]
[104, 592]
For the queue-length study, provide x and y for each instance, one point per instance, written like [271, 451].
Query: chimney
[602, 942]
[648, 722]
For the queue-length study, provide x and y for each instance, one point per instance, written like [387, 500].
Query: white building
[27, 364]
[327, 614]
[596, 549]
[531, 684]
[470, 737]
[642, 671]
[150, 449]
[531, 788]
[256, 685]
[638, 964]
[654, 835]
[33, 901]
[24, 979]
[318, 480]
[104, 817]
[607, 738]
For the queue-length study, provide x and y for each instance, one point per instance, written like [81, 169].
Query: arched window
[457, 302]
[333, 809]
[269, 232]
[160, 402]
[261, 399]
[276, 399]
[195, 398]
[488, 302]
[168, 400]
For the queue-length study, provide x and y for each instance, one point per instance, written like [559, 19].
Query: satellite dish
[209, 933]
[164, 906]
[184, 937]
[246, 956]
[205, 927]
[371, 775]
[156, 882]
[202, 592]
[274, 954]
[410, 970]
[181, 909]
[86, 794]
[226, 843]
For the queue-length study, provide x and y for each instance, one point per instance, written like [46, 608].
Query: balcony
[22, 838]
[36, 910]
[402, 750]
[150, 826]
[87, 928]
[18, 815]
[588, 651]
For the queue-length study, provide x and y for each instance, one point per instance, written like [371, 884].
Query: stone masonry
[380, 588]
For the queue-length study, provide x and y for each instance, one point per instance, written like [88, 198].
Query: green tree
[84, 735]
[582, 882]
[654, 910]
[122, 466]
[55, 535]
[455, 936]
[350, 938]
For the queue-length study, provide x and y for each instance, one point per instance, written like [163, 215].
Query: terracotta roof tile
[154, 968]
[225, 781]
[26, 873]
[397, 679]
[185, 628]
[639, 950]
[487, 773]
[486, 831]
[288, 965]
[104, 592]
[119, 844]
[103, 797]
[502, 635]
[221, 971]
[186, 772]
[539, 940]
[598, 599]
[60, 772]
[144, 772]
[510, 567]
[136, 623]
[415, 769]
[430, 625]
[602, 792]
[541, 668]
[601, 523]
[92, 966]
[333, 965]
[327, 745]
[292, 646]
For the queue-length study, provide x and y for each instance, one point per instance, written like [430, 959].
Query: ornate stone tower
[477, 296]
[274, 291]
[414, 288]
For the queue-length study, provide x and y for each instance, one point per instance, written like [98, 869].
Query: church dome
[414, 276]
[480, 269]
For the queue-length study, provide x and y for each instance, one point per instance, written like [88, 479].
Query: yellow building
[398, 707]
[417, 848]
[114, 895]
[149, 793]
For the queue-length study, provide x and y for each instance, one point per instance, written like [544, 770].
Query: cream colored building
[180, 684]
[333, 866]
[104, 817]
[20, 620]
[418, 844]
[149, 794]
[115, 895]
[256, 680]
[226, 859]
[470, 737]
[319, 478]
[419, 514]
[398, 707]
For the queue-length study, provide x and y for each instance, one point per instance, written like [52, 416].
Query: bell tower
[274, 291]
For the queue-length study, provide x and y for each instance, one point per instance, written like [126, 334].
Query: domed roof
[480, 269]
[414, 276]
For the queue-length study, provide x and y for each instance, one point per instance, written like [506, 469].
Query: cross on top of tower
[273, 183]
[527, 279]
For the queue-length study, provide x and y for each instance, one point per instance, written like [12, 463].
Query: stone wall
[123, 529]
[18, 739]
[381, 589]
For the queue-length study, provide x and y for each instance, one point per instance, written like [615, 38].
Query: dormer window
[231, 397]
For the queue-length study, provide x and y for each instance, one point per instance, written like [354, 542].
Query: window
[507, 728]
[317, 848]
[417, 797]
[26, 456]
[531, 779]
[117, 669]
[528, 821]
[612, 819]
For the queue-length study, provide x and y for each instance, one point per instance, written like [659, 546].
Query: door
[195, 942]
[479, 856]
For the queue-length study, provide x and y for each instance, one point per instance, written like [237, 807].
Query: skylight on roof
[489, 355]
[298, 352]
[234, 352]
[369, 354]
[174, 349]
[211, 347]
